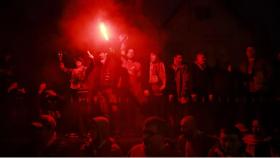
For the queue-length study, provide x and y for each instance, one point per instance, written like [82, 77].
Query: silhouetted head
[178, 59]
[100, 128]
[257, 128]
[200, 58]
[187, 124]
[130, 54]
[154, 134]
[78, 62]
[230, 141]
[153, 57]
[250, 52]
[103, 56]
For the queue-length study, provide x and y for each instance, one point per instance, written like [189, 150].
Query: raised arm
[91, 64]
[61, 64]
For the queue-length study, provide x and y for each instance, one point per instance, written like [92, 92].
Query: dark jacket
[201, 80]
[178, 81]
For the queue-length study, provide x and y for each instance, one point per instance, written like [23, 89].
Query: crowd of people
[190, 109]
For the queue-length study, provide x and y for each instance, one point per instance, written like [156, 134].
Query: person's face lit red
[153, 57]
[250, 52]
[102, 55]
[78, 63]
[130, 54]
[200, 59]
[178, 59]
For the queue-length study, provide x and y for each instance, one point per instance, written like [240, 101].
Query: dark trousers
[77, 113]
[157, 106]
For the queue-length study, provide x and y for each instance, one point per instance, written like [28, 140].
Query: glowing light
[104, 31]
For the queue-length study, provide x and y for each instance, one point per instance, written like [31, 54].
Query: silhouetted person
[178, 90]
[202, 92]
[103, 83]
[100, 143]
[201, 79]
[76, 109]
[257, 75]
[131, 92]
[133, 69]
[243, 130]
[256, 71]
[155, 84]
[48, 100]
[257, 142]
[229, 145]
[43, 135]
[155, 140]
[192, 142]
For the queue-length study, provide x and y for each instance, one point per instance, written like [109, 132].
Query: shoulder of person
[116, 150]
[113, 143]
[215, 151]
[138, 147]
[137, 150]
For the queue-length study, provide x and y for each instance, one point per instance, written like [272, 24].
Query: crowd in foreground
[189, 109]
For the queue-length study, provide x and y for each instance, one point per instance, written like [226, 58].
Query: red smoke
[80, 25]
